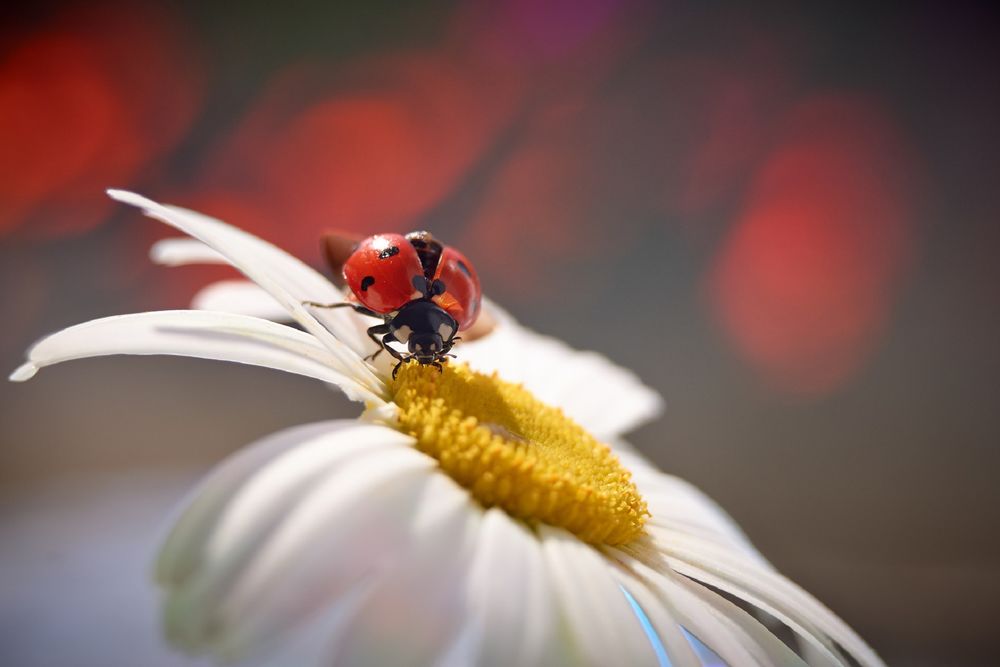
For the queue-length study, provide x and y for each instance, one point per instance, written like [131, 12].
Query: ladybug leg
[385, 332]
[402, 360]
[343, 304]
[438, 366]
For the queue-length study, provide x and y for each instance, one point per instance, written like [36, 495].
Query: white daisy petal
[313, 641]
[220, 336]
[727, 630]
[764, 588]
[334, 544]
[245, 499]
[239, 506]
[247, 298]
[244, 597]
[712, 618]
[600, 621]
[183, 550]
[239, 296]
[287, 279]
[184, 251]
[679, 651]
[511, 610]
[420, 597]
[602, 397]
[676, 505]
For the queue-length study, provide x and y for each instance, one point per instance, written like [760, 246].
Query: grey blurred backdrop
[783, 218]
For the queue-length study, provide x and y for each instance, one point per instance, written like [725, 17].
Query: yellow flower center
[514, 452]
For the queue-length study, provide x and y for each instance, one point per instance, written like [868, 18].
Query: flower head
[469, 517]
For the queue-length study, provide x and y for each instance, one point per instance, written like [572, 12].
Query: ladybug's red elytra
[425, 293]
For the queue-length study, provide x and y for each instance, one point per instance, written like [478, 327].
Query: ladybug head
[427, 330]
[426, 347]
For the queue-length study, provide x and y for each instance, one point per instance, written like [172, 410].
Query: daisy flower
[469, 517]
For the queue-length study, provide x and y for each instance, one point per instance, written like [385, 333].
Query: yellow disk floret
[514, 452]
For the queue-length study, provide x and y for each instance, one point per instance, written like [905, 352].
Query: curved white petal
[720, 625]
[349, 525]
[239, 296]
[236, 511]
[245, 500]
[604, 398]
[244, 296]
[761, 586]
[713, 619]
[676, 505]
[191, 333]
[512, 618]
[313, 641]
[183, 549]
[599, 619]
[663, 620]
[284, 277]
[414, 610]
[183, 251]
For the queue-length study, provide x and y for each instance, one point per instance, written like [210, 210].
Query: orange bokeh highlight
[89, 99]
[804, 282]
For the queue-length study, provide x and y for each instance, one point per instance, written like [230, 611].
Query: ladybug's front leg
[343, 304]
[385, 332]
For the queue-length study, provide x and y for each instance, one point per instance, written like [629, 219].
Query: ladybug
[424, 292]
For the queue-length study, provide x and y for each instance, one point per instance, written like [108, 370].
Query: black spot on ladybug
[388, 252]
[463, 268]
[367, 282]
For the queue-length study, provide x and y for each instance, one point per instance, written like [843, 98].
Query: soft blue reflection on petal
[706, 655]
[647, 627]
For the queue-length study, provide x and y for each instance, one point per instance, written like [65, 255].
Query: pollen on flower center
[512, 451]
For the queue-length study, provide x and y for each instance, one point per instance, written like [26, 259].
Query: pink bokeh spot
[537, 29]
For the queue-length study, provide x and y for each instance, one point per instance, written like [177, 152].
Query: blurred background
[783, 218]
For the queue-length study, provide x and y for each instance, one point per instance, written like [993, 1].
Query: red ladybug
[425, 293]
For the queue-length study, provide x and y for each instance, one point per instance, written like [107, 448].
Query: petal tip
[127, 197]
[159, 254]
[163, 253]
[23, 372]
